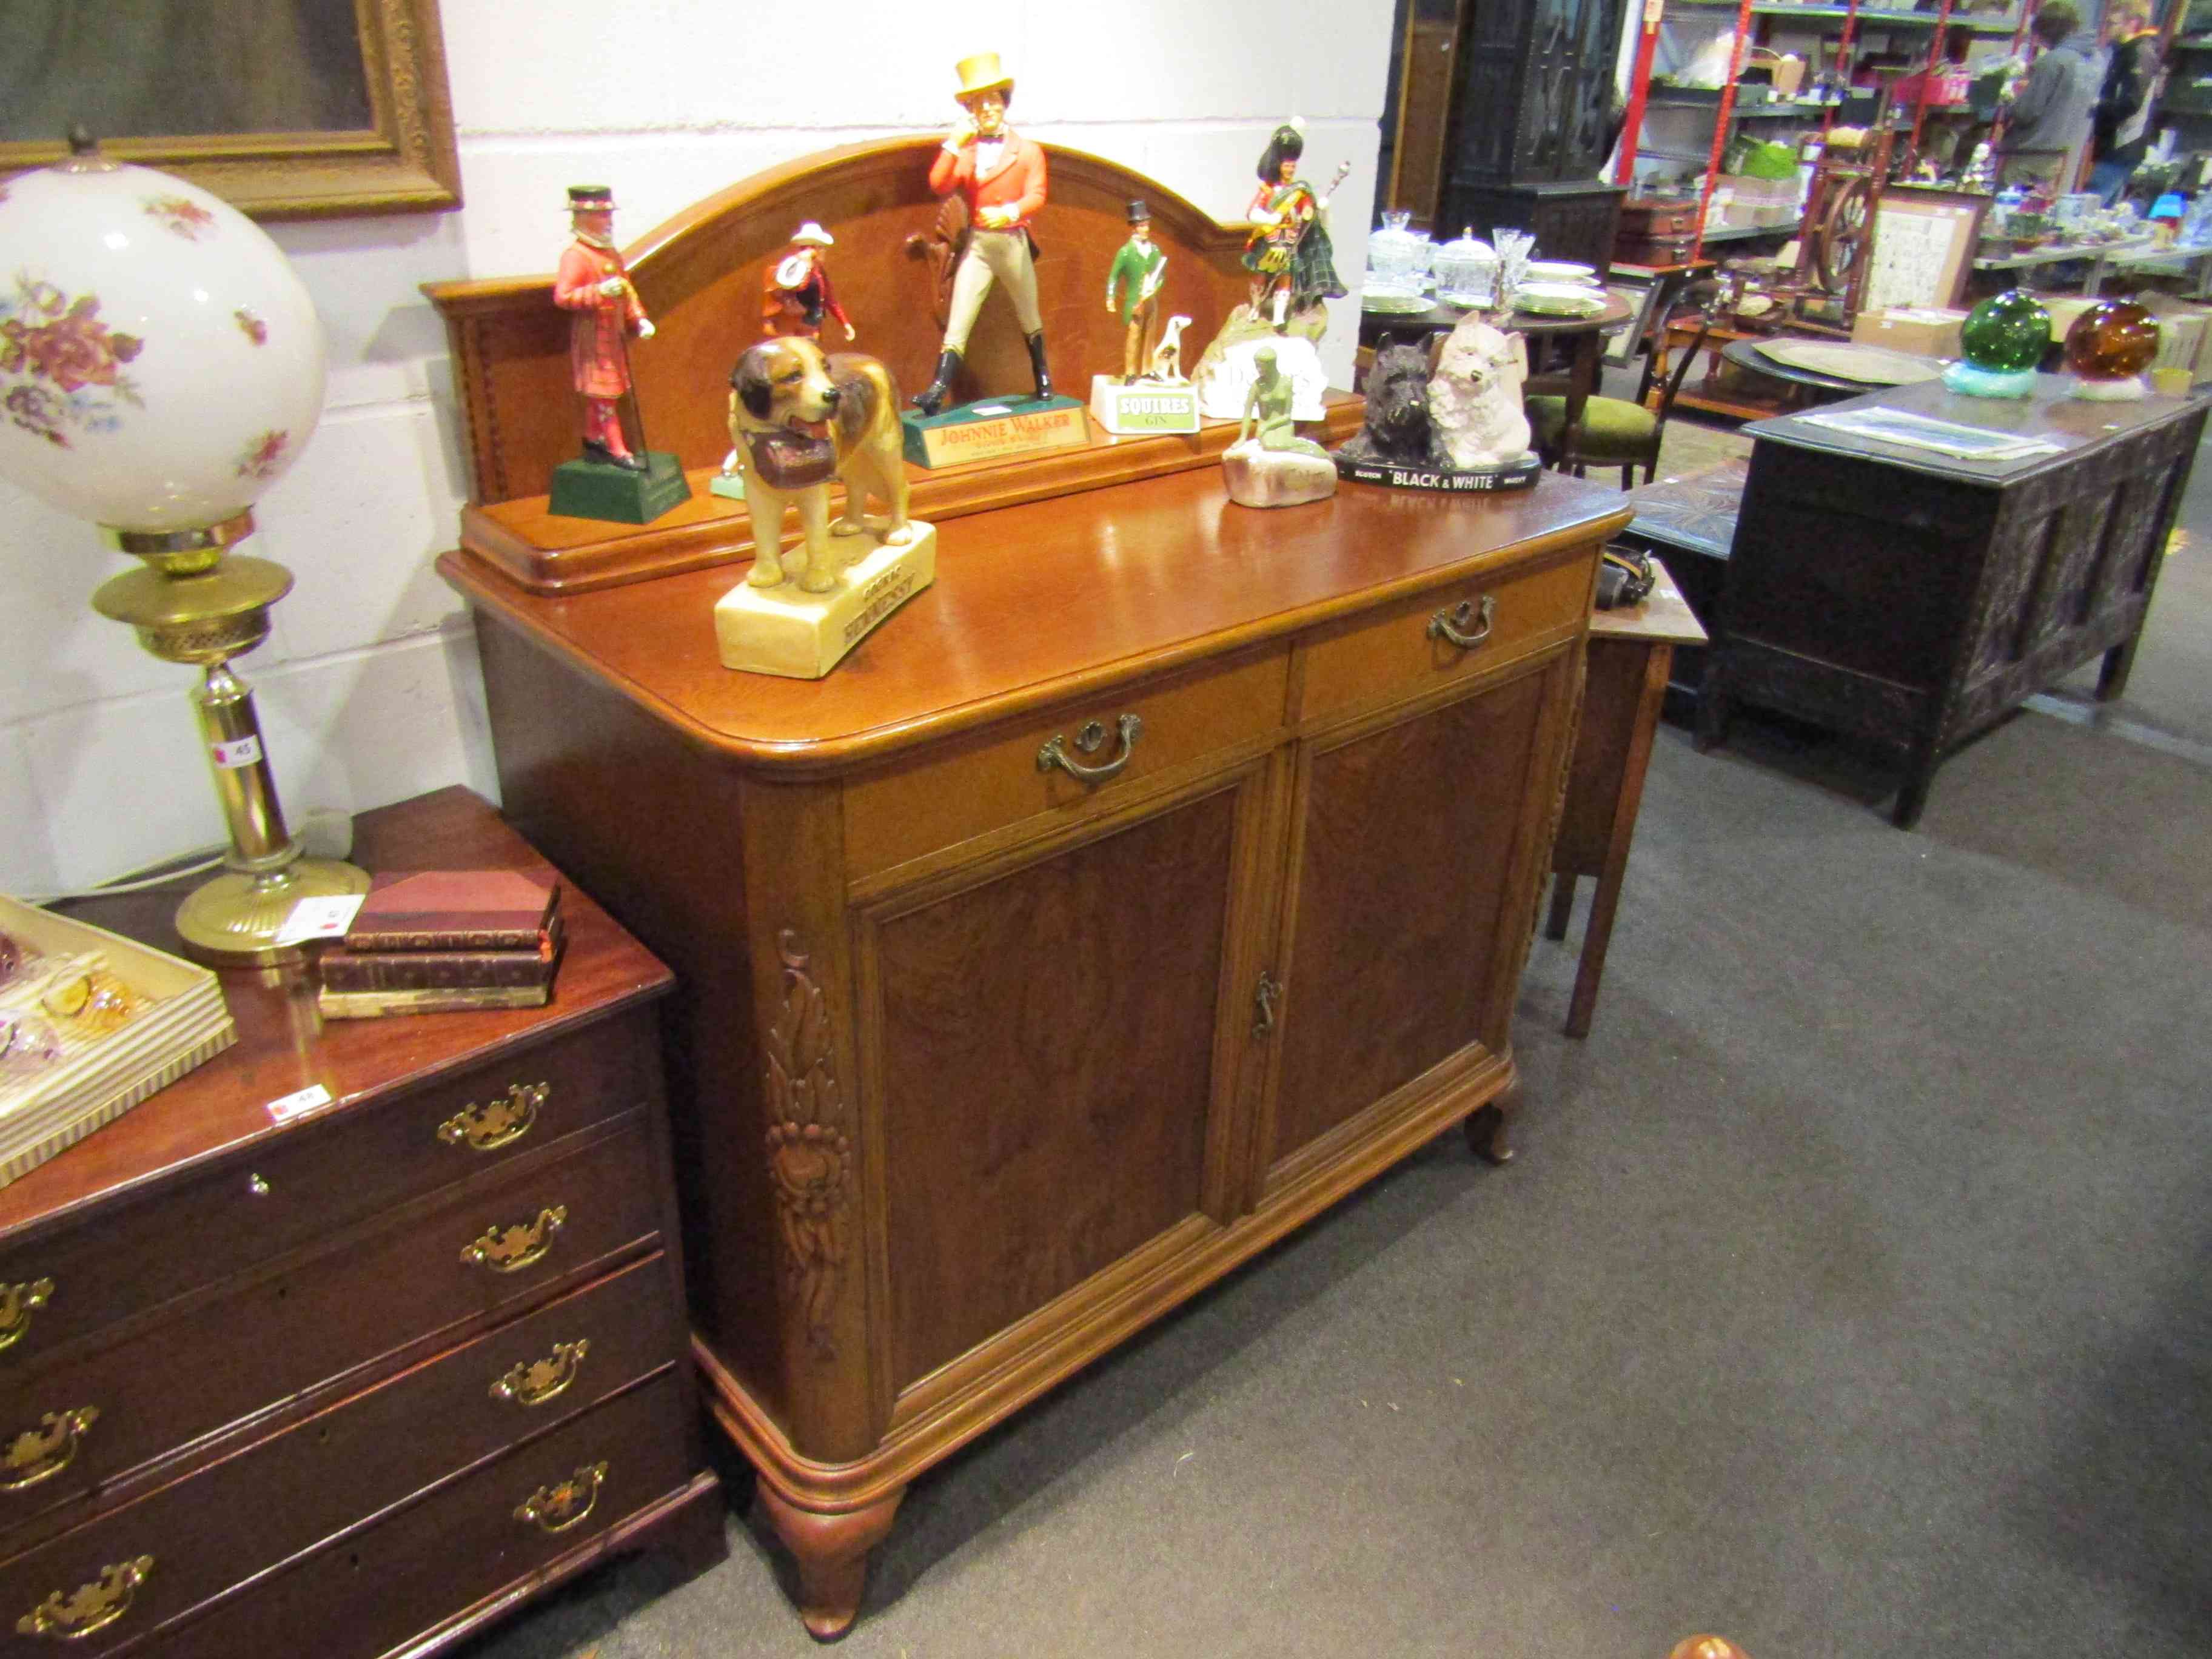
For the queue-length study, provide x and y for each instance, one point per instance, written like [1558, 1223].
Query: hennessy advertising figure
[615, 479]
[1002, 174]
[1138, 270]
[796, 293]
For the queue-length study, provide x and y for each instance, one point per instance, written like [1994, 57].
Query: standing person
[1002, 174]
[1289, 253]
[594, 282]
[2122, 113]
[2049, 120]
[1137, 272]
[796, 294]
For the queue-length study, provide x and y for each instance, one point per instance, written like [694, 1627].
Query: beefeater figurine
[594, 285]
[1002, 174]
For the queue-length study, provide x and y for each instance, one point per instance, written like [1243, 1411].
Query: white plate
[1559, 271]
[1559, 298]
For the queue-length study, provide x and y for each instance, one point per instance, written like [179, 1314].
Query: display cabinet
[1158, 875]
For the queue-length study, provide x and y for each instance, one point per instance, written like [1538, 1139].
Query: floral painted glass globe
[2006, 333]
[2109, 347]
[161, 362]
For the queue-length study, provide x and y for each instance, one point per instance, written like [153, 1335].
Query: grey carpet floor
[1849, 1295]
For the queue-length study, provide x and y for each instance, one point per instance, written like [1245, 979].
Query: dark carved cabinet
[1530, 124]
[1904, 596]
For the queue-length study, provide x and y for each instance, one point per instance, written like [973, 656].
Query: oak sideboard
[1159, 876]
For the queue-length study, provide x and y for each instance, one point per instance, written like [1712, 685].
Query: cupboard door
[1053, 1064]
[1413, 835]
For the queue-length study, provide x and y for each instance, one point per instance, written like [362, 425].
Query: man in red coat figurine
[1002, 174]
[796, 294]
[593, 283]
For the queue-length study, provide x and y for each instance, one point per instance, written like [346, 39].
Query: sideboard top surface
[283, 1046]
[1046, 601]
[2050, 411]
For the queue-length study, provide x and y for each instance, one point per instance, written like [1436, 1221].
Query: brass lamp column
[197, 602]
[161, 366]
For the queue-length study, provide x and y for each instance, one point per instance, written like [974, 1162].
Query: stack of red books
[428, 940]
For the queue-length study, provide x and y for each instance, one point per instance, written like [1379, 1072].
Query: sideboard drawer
[112, 1409]
[364, 1594]
[321, 1177]
[969, 786]
[1406, 648]
[287, 1494]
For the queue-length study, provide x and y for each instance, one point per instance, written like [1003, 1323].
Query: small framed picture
[1636, 293]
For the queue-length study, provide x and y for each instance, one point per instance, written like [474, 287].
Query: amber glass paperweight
[2109, 347]
[2003, 340]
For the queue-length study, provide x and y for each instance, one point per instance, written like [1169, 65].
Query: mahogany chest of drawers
[358, 1381]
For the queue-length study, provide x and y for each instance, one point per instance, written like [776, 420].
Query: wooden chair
[1613, 432]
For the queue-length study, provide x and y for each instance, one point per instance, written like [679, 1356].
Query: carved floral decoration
[181, 215]
[66, 363]
[810, 1157]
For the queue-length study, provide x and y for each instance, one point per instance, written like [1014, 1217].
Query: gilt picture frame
[370, 132]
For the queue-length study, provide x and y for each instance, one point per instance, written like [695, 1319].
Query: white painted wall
[368, 687]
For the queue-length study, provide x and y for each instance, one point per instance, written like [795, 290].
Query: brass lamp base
[196, 603]
[231, 919]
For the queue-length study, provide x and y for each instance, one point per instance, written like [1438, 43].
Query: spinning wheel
[1844, 234]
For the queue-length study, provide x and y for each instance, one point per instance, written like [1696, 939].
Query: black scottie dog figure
[1397, 429]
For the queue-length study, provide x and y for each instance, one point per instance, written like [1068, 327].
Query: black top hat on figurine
[1140, 214]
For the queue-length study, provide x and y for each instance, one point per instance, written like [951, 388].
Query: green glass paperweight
[2003, 339]
[2109, 347]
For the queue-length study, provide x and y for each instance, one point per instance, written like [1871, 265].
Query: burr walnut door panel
[1053, 1066]
[1414, 833]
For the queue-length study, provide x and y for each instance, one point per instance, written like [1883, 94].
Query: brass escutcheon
[89, 1607]
[498, 1122]
[42, 1453]
[17, 1303]
[510, 1249]
[564, 1503]
[534, 1381]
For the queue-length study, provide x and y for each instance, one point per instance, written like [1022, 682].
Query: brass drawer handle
[42, 1453]
[510, 1249]
[564, 1503]
[498, 1122]
[17, 1303]
[1450, 626]
[89, 1607]
[1054, 752]
[534, 1381]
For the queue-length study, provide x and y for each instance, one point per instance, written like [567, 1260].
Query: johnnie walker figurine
[795, 291]
[1269, 465]
[618, 478]
[1000, 176]
[1152, 394]
[1132, 289]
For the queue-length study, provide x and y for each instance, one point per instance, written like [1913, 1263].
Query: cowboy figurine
[1137, 273]
[1002, 175]
[593, 283]
[796, 292]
